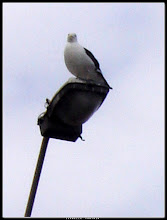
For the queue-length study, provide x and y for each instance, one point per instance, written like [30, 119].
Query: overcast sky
[118, 171]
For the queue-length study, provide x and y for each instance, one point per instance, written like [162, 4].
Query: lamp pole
[36, 177]
[70, 107]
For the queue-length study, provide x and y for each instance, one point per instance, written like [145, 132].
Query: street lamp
[74, 103]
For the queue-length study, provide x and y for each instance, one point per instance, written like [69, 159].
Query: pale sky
[118, 171]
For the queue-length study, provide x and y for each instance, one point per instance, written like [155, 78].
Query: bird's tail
[107, 84]
[103, 79]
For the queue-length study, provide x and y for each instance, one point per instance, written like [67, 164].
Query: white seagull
[81, 62]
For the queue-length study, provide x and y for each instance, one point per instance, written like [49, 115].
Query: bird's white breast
[77, 61]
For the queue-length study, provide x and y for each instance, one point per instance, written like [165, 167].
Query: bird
[82, 63]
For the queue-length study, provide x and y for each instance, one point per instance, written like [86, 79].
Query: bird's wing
[97, 66]
[96, 63]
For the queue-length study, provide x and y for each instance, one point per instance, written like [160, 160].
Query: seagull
[82, 63]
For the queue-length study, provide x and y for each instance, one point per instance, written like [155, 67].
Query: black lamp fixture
[70, 107]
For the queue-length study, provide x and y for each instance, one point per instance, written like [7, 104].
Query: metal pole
[36, 177]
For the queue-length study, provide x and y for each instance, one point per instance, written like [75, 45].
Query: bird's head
[72, 37]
